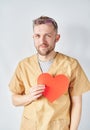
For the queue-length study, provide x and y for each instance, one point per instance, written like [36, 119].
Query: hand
[23, 100]
[36, 92]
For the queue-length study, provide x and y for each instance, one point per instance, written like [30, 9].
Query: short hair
[45, 20]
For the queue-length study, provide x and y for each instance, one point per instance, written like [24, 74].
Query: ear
[57, 37]
[33, 36]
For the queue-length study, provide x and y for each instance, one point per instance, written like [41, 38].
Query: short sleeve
[16, 83]
[79, 82]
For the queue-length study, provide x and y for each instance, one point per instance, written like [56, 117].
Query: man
[64, 112]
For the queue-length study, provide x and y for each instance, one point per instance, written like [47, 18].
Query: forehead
[48, 28]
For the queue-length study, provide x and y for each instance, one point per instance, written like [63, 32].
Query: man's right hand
[34, 94]
[36, 91]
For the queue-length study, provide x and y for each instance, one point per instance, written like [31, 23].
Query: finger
[37, 92]
[36, 97]
[37, 88]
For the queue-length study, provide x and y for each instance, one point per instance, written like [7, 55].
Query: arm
[22, 100]
[76, 112]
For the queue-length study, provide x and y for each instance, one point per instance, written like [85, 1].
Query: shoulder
[27, 61]
[67, 61]
[66, 58]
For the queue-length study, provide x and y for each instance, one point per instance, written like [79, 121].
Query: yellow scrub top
[43, 114]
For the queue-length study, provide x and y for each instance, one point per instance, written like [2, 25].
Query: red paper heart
[55, 86]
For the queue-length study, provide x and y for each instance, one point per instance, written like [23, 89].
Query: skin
[76, 112]
[45, 38]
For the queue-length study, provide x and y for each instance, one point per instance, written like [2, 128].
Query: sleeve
[16, 84]
[79, 82]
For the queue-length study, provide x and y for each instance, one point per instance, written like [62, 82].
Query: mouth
[44, 46]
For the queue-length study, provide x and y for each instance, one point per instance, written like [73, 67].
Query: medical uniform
[42, 114]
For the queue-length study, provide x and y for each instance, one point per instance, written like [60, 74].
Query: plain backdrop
[16, 43]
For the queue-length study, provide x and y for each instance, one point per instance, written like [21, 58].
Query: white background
[16, 43]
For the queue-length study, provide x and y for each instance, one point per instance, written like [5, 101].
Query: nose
[42, 39]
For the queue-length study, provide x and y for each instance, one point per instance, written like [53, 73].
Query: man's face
[45, 38]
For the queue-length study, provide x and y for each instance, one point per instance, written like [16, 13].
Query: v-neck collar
[51, 66]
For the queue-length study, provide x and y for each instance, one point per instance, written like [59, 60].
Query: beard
[44, 51]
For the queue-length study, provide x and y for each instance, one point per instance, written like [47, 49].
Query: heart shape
[55, 86]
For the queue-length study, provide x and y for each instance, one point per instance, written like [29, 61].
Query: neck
[48, 57]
